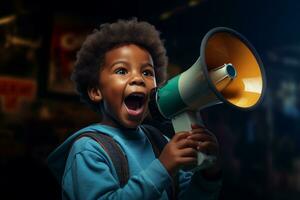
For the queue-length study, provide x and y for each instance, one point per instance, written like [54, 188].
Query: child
[116, 69]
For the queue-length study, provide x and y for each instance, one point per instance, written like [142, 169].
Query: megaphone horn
[228, 70]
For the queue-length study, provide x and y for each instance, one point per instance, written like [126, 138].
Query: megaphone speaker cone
[223, 45]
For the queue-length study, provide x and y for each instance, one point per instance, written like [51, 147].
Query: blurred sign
[14, 91]
[67, 37]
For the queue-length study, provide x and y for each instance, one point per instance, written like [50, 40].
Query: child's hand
[180, 151]
[208, 144]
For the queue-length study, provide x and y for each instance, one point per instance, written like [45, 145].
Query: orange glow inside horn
[246, 88]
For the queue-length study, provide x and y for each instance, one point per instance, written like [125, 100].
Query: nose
[137, 80]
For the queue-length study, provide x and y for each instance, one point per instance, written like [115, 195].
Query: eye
[148, 73]
[121, 71]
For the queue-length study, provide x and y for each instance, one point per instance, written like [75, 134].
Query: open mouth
[135, 103]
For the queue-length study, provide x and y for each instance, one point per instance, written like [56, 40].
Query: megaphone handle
[183, 122]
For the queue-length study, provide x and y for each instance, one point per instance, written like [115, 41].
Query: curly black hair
[110, 35]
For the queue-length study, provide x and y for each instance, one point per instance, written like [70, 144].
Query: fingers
[188, 161]
[201, 130]
[208, 147]
[188, 152]
[180, 136]
[183, 135]
[186, 143]
[201, 137]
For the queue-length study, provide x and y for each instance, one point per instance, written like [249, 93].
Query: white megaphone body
[228, 71]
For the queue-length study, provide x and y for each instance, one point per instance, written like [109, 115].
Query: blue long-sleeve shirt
[86, 171]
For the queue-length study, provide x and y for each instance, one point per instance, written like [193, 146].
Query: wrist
[171, 170]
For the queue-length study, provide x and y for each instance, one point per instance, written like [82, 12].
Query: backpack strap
[119, 159]
[114, 152]
[158, 142]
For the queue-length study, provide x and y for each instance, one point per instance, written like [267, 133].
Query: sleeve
[194, 186]
[91, 176]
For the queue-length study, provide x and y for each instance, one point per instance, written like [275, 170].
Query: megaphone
[228, 71]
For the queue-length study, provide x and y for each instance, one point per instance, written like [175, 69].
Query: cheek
[114, 86]
[154, 82]
[153, 85]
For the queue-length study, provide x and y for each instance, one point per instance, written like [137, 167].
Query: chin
[131, 124]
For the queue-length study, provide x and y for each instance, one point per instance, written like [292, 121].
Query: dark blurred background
[39, 109]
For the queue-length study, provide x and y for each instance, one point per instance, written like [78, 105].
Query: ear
[95, 94]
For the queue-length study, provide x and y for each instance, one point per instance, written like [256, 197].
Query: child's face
[126, 79]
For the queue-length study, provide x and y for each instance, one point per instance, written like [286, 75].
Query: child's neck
[114, 123]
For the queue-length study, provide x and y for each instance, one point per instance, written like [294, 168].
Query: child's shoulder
[87, 139]
[85, 144]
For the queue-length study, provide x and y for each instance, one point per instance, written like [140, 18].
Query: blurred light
[287, 93]
[291, 61]
[191, 3]
[7, 20]
[287, 55]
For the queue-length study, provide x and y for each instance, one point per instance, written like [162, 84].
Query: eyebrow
[125, 62]
[117, 62]
[147, 64]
